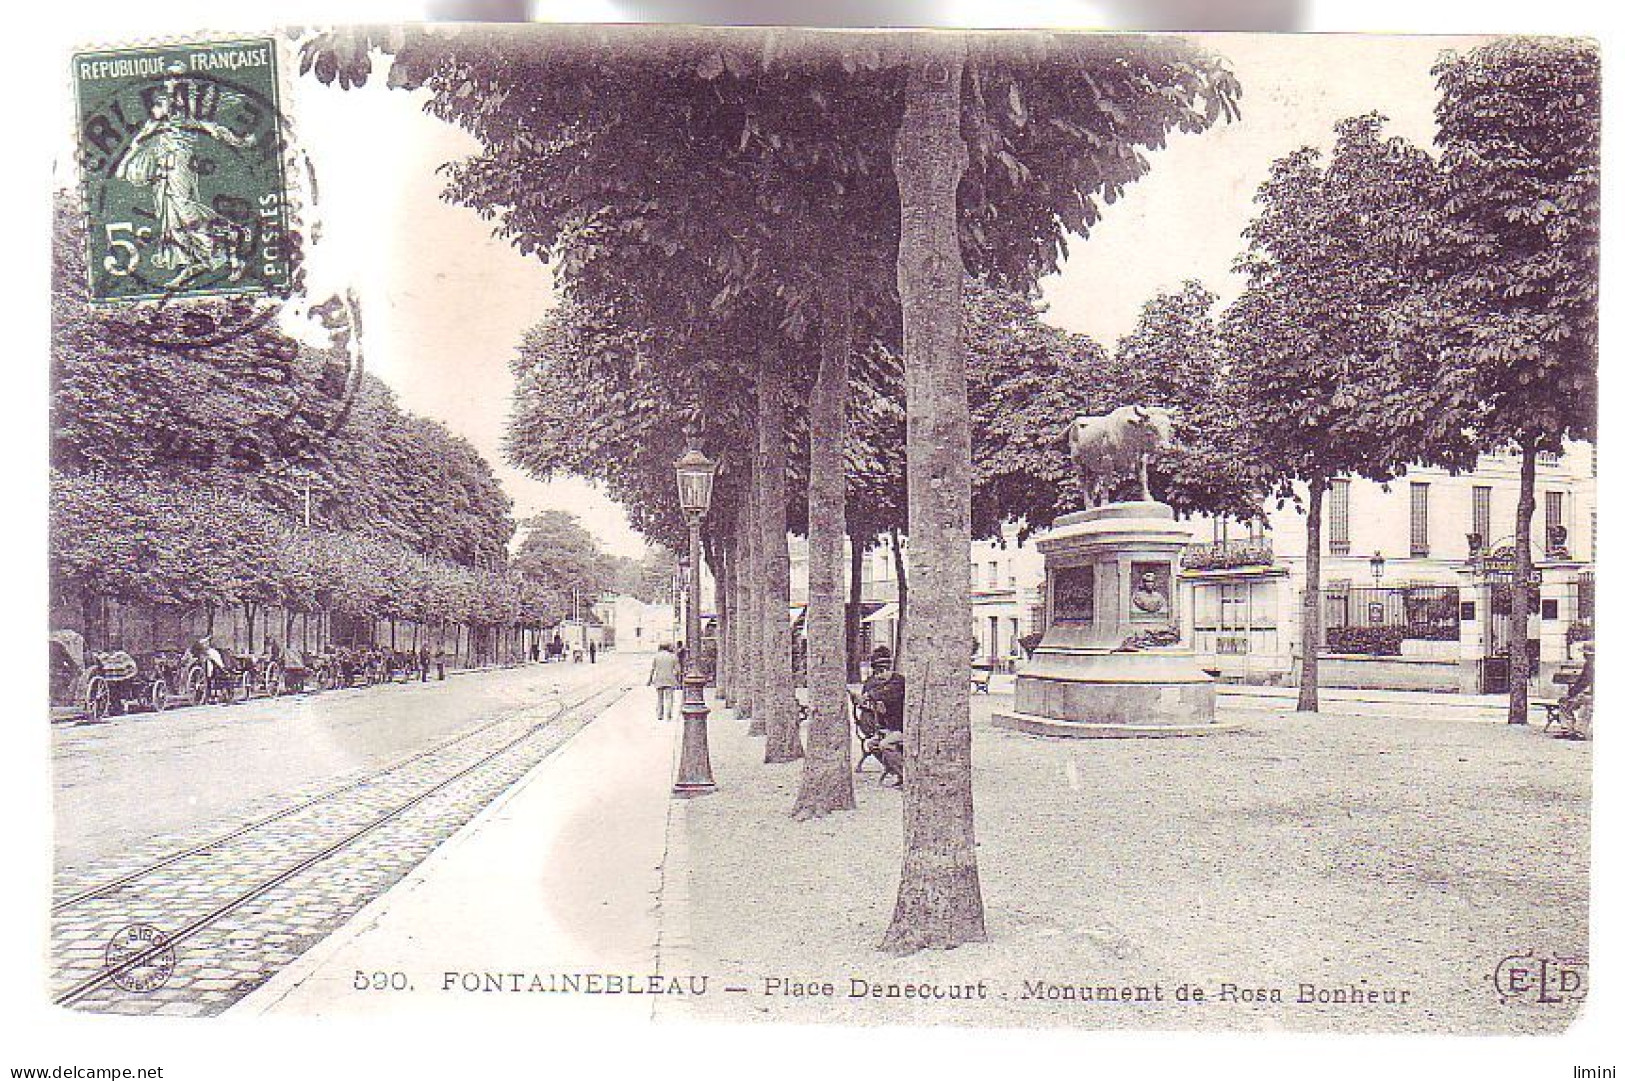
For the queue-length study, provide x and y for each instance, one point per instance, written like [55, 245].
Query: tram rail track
[598, 697]
[102, 889]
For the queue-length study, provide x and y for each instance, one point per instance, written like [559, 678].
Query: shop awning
[886, 611]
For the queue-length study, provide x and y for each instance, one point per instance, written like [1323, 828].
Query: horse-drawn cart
[97, 685]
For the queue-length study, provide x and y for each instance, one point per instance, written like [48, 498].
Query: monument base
[1112, 662]
[1028, 724]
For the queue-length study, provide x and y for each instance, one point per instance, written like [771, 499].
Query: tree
[1337, 259]
[775, 686]
[580, 127]
[1027, 381]
[826, 779]
[256, 414]
[940, 897]
[1519, 133]
[564, 561]
[1174, 357]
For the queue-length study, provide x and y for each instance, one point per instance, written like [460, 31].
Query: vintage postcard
[626, 524]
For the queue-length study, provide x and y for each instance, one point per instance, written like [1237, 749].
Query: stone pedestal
[1113, 661]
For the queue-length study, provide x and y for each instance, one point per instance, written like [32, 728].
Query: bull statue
[1117, 445]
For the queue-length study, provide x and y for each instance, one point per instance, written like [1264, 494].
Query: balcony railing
[1228, 554]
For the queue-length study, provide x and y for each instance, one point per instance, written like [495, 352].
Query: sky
[445, 304]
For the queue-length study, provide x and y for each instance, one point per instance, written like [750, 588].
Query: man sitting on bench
[880, 713]
[1573, 713]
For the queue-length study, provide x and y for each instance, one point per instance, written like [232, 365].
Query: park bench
[1563, 677]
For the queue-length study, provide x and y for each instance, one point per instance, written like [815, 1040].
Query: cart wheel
[197, 687]
[158, 696]
[98, 699]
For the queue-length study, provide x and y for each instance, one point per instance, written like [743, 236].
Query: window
[1554, 522]
[1481, 514]
[1339, 530]
[1419, 518]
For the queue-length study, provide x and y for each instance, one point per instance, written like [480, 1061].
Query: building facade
[1416, 579]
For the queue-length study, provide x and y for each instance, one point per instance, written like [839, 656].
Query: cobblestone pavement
[231, 888]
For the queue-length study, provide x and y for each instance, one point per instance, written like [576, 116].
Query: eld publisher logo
[1529, 977]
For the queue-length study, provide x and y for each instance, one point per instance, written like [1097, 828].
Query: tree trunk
[939, 899]
[900, 572]
[248, 621]
[854, 613]
[1309, 638]
[736, 622]
[1518, 698]
[750, 619]
[826, 779]
[95, 608]
[724, 588]
[778, 703]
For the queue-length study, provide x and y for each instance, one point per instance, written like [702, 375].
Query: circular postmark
[196, 255]
[263, 401]
[140, 958]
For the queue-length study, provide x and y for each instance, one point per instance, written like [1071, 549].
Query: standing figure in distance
[664, 678]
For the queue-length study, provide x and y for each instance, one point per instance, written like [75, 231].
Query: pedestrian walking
[664, 679]
[424, 657]
[592, 652]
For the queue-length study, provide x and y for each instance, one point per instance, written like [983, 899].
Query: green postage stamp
[181, 153]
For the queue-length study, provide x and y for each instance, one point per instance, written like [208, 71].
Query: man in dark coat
[882, 697]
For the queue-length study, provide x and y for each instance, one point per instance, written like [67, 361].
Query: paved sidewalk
[559, 879]
[1341, 702]
[1402, 705]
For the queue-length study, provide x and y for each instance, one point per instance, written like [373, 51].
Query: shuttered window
[1554, 521]
[1481, 514]
[1338, 531]
[1419, 518]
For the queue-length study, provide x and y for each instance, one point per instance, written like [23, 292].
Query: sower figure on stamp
[193, 238]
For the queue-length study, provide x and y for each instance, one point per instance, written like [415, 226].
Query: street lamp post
[694, 475]
[1377, 566]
